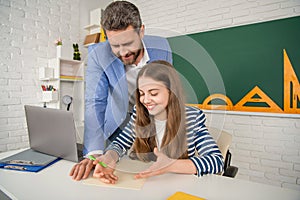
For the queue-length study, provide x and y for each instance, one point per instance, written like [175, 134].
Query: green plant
[58, 42]
[76, 55]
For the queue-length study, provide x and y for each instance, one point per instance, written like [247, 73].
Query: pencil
[91, 157]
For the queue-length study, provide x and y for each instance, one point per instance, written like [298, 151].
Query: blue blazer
[106, 92]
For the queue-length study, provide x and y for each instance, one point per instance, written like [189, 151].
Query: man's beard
[135, 56]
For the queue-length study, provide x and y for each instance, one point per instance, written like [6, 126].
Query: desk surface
[55, 183]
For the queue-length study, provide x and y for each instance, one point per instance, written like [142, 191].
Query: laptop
[52, 131]
[52, 136]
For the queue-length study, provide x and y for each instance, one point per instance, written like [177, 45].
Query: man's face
[127, 44]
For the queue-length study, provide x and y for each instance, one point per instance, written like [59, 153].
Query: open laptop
[52, 131]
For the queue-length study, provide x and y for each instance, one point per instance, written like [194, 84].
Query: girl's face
[154, 96]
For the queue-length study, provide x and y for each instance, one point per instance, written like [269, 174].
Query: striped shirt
[202, 148]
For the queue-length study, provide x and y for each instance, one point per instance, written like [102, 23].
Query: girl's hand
[105, 174]
[162, 165]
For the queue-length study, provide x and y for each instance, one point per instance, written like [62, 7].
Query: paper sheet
[126, 169]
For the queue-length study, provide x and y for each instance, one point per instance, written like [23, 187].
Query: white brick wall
[191, 16]
[265, 148]
[28, 29]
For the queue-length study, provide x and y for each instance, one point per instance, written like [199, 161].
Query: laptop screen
[52, 131]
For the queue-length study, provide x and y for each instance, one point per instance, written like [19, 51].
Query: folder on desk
[28, 160]
[183, 195]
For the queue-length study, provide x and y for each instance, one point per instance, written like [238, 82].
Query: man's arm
[96, 93]
[158, 48]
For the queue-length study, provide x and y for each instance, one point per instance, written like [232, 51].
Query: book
[91, 39]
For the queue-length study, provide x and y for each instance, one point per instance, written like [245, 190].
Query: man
[111, 77]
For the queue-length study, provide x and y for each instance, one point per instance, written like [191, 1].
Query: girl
[163, 129]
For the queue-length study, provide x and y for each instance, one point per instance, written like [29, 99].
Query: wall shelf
[67, 78]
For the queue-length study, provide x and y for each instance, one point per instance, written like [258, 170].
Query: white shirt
[131, 75]
[160, 131]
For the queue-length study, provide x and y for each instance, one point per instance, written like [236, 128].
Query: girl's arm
[125, 140]
[209, 159]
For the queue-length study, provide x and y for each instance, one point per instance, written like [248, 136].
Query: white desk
[55, 183]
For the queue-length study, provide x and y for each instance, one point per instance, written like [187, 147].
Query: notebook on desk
[52, 136]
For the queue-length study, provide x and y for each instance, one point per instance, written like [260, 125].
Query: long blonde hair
[174, 143]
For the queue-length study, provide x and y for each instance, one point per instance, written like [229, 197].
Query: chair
[224, 140]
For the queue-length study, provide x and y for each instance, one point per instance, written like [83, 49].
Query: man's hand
[82, 169]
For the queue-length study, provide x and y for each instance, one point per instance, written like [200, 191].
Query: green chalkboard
[232, 61]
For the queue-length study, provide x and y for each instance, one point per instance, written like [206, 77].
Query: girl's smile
[154, 96]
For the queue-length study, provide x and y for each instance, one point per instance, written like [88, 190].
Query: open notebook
[126, 169]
